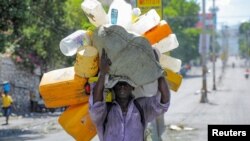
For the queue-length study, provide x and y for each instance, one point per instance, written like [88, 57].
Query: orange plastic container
[159, 32]
[62, 87]
[76, 121]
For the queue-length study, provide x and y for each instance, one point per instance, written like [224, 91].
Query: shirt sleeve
[97, 110]
[152, 106]
[11, 100]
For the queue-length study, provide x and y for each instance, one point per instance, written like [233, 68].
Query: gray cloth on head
[111, 81]
[131, 55]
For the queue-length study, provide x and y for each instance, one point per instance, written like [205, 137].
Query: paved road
[186, 120]
[228, 105]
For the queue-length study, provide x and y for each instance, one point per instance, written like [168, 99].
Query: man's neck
[124, 104]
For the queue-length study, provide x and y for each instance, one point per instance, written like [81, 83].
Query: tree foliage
[182, 16]
[12, 17]
[244, 40]
[35, 34]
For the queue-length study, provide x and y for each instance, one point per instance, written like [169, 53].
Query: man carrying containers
[125, 118]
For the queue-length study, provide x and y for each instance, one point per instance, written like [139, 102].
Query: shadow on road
[191, 76]
[20, 134]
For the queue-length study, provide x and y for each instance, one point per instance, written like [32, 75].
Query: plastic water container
[170, 63]
[62, 87]
[76, 121]
[159, 32]
[86, 64]
[167, 44]
[146, 22]
[95, 12]
[120, 13]
[174, 79]
[72, 42]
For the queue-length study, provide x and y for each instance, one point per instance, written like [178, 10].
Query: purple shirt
[129, 127]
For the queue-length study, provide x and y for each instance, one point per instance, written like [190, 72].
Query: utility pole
[225, 52]
[204, 56]
[214, 10]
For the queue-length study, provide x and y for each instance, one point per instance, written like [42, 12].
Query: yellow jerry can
[174, 79]
[86, 64]
[62, 87]
[76, 121]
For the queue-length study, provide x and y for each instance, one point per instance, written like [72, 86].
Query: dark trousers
[6, 111]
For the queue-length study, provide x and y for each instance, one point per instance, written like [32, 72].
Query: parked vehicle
[184, 69]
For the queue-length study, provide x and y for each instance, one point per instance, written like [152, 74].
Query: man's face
[123, 90]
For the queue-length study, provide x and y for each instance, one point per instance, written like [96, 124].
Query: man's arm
[104, 68]
[163, 88]
[162, 84]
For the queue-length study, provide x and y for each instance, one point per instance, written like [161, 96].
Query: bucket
[72, 42]
[86, 64]
[94, 11]
[6, 86]
[146, 22]
[167, 44]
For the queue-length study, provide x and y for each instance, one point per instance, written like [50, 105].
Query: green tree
[12, 17]
[182, 16]
[74, 17]
[244, 40]
[32, 30]
[42, 33]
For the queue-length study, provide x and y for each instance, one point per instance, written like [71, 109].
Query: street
[228, 105]
[186, 120]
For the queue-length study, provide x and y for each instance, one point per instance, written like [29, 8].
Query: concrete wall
[21, 83]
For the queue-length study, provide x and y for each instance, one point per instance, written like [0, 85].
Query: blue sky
[231, 12]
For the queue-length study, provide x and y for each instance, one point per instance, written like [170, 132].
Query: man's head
[121, 85]
[123, 90]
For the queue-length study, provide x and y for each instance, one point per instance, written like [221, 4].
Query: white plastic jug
[72, 42]
[170, 63]
[167, 44]
[145, 22]
[95, 12]
[120, 13]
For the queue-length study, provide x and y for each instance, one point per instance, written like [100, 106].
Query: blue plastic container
[6, 87]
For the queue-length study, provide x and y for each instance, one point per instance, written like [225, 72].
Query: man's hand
[163, 88]
[105, 63]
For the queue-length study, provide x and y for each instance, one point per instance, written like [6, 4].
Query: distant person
[233, 65]
[6, 105]
[126, 118]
